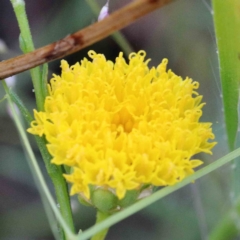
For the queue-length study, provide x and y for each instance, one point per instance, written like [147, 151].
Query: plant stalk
[28, 46]
[102, 234]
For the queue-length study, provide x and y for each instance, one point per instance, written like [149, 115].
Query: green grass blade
[34, 165]
[44, 80]
[22, 108]
[54, 171]
[227, 27]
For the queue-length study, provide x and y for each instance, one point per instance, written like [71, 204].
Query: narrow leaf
[227, 27]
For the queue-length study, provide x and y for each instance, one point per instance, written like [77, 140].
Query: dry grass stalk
[82, 38]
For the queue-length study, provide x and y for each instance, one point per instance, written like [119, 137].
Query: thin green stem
[39, 82]
[39, 175]
[28, 46]
[50, 214]
[102, 234]
[117, 36]
[48, 210]
[122, 42]
[54, 171]
[44, 80]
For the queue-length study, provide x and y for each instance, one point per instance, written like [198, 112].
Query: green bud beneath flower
[104, 200]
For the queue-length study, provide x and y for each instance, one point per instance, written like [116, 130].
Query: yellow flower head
[122, 125]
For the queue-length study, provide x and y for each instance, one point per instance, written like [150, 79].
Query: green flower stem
[102, 234]
[44, 80]
[54, 171]
[157, 196]
[120, 39]
[39, 83]
[28, 46]
[51, 218]
[117, 36]
[60, 185]
[227, 27]
[38, 175]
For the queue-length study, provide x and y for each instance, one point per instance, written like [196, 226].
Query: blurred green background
[182, 32]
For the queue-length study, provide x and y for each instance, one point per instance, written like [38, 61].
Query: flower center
[123, 121]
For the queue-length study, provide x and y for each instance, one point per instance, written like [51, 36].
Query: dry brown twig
[80, 39]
